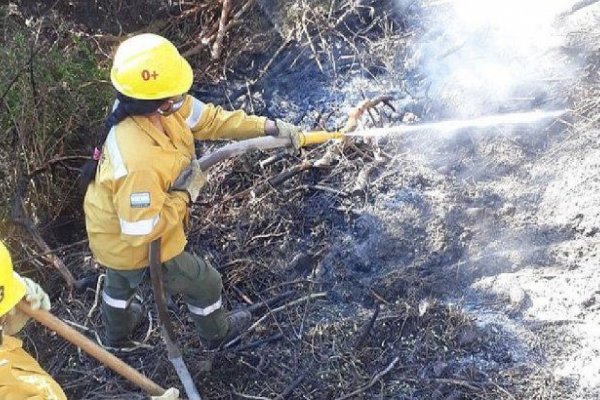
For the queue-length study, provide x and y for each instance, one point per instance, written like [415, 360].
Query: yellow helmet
[149, 67]
[12, 289]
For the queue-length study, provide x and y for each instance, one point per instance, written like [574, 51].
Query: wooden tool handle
[106, 358]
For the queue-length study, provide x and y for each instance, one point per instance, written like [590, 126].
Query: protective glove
[35, 295]
[37, 298]
[191, 180]
[291, 131]
[170, 394]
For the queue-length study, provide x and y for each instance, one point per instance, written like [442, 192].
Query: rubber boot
[237, 322]
[121, 324]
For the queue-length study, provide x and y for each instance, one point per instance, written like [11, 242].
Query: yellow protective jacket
[129, 204]
[22, 378]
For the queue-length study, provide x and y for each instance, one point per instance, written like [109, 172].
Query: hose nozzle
[318, 137]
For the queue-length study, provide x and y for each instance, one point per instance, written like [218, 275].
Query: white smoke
[484, 56]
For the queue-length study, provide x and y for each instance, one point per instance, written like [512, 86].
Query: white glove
[37, 298]
[169, 394]
[35, 295]
[191, 179]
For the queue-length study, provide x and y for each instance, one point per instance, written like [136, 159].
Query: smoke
[473, 60]
[479, 57]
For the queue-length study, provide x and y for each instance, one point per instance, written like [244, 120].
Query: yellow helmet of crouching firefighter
[12, 288]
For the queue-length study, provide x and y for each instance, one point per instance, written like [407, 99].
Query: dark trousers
[187, 274]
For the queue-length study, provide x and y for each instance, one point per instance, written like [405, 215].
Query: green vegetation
[54, 99]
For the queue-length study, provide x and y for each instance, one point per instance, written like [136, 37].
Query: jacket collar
[163, 140]
[174, 138]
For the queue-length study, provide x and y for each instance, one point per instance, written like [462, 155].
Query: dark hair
[126, 107]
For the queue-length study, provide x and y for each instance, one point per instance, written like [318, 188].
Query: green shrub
[54, 99]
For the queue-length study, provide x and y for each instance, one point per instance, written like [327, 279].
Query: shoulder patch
[140, 200]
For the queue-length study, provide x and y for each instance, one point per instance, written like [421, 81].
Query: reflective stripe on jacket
[129, 204]
[22, 378]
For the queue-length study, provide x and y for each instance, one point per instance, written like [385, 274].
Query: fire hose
[265, 143]
[206, 162]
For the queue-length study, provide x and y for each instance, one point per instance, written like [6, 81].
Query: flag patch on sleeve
[140, 200]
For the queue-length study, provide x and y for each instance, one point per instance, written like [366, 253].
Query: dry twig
[20, 217]
[373, 381]
[216, 50]
[273, 311]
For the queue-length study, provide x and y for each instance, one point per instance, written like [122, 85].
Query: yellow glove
[291, 131]
[37, 298]
[169, 394]
[191, 180]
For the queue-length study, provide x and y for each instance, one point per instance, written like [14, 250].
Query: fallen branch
[293, 385]
[271, 312]
[367, 328]
[326, 189]
[272, 160]
[282, 177]
[61, 248]
[374, 380]
[212, 36]
[248, 396]
[20, 217]
[217, 46]
[238, 15]
[242, 295]
[260, 342]
[266, 143]
[97, 295]
[271, 301]
[354, 116]
[357, 112]
[362, 179]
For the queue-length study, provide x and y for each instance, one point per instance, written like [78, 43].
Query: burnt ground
[429, 266]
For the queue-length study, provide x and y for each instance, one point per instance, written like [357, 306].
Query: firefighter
[142, 179]
[21, 377]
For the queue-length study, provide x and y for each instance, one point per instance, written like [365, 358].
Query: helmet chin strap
[174, 106]
[165, 113]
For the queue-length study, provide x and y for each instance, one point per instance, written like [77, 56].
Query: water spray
[319, 137]
[511, 119]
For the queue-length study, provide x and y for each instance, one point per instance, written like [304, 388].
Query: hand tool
[71, 335]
